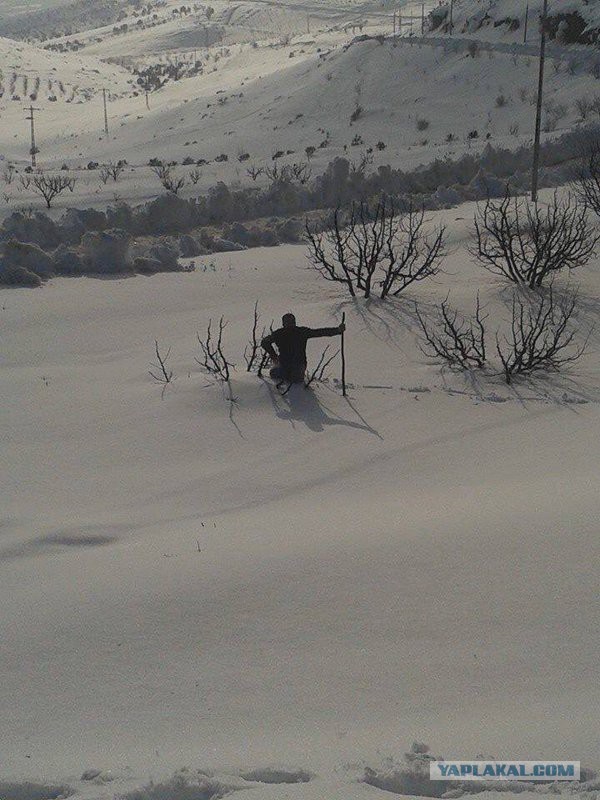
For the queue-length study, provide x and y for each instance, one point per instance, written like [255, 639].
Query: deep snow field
[305, 580]
[279, 595]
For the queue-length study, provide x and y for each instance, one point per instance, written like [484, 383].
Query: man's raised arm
[317, 333]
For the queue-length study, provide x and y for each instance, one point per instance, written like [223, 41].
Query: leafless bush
[254, 356]
[160, 372]
[167, 177]
[527, 243]
[457, 341]
[289, 173]
[48, 186]
[111, 170]
[422, 124]
[254, 172]
[541, 336]
[213, 359]
[318, 373]
[301, 173]
[195, 176]
[375, 246]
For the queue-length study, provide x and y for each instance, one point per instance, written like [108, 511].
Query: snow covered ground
[306, 580]
[285, 591]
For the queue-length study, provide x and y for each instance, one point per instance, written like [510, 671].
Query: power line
[105, 113]
[34, 150]
[538, 117]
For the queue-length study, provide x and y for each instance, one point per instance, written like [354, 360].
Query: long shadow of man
[300, 404]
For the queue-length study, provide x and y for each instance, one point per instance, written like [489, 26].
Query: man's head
[288, 321]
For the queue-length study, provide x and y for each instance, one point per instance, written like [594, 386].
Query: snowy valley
[211, 583]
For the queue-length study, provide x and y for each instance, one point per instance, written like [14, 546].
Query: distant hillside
[72, 17]
[569, 22]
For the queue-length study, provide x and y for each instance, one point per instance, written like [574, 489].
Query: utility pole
[308, 23]
[394, 24]
[538, 117]
[147, 99]
[526, 23]
[451, 15]
[399, 23]
[33, 151]
[105, 113]
[422, 19]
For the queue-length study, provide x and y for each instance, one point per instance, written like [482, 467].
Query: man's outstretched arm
[267, 344]
[317, 333]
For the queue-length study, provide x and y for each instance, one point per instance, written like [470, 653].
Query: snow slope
[421, 101]
[301, 580]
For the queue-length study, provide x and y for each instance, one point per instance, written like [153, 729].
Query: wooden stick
[343, 351]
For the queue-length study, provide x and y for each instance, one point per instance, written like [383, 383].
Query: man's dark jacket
[291, 343]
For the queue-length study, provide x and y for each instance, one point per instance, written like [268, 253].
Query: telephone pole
[105, 113]
[308, 23]
[422, 19]
[538, 117]
[33, 151]
[451, 15]
[526, 23]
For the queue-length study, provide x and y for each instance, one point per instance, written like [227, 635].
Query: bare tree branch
[376, 247]
[160, 372]
[319, 371]
[526, 242]
[49, 186]
[165, 174]
[541, 337]
[457, 341]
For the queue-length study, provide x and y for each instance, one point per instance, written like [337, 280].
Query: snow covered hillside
[211, 588]
[300, 580]
[267, 88]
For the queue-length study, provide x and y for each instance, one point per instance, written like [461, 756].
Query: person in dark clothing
[289, 360]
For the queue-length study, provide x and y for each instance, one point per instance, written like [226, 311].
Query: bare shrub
[541, 336]
[213, 359]
[374, 246]
[318, 373]
[255, 357]
[457, 341]
[160, 372]
[422, 124]
[168, 178]
[527, 243]
[254, 172]
[195, 176]
[48, 186]
[111, 170]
